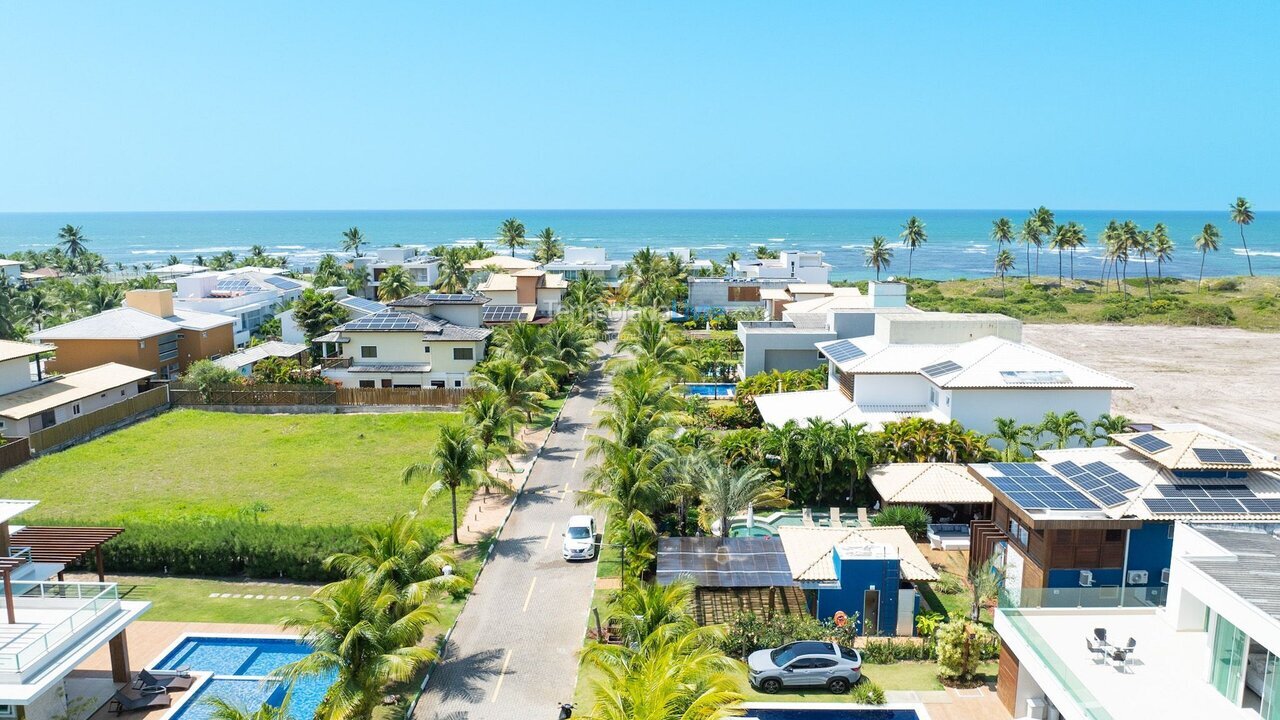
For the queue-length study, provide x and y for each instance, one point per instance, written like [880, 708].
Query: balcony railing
[82, 603]
[334, 363]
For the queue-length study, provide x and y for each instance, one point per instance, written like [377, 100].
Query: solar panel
[363, 304]
[1033, 487]
[450, 298]
[1261, 505]
[1169, 507]
[942, 368]
[724, 562]
[233, 285]
[503, 313]
[843, 351]
[1150, 443]
[282, 283]
[1221, 456]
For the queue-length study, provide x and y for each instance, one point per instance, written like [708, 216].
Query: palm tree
[1144, 246]
[1242, 214]
[352, 239]
[1062, 428]
[549, 246]
[651, 610]
[1060, 241]
[985, 581]
[726, 492]
[1029, 234]
[1044, 219]
[503, 375]
[568, 345]
[355, 634]
[730, 258]
[1107, 425]
[1013, 437]
[913, 236]
[223, 709]
[1002, 232]
[37, 306]
[511, 234]
[457, 461]
[400, 553]
[649, 280]
[1078, 240]
[879, 255]
[72, 241]
[1004, 263]
[650, 341]
[1207, 240]
[1161, 248]
[493, 422]
[454, 276]
[394, 283]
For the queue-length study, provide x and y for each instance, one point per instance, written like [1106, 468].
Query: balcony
[50, 616]
[334, 363]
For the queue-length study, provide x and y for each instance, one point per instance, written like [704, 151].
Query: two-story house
[582, 261]
[250, 296]
[426, 340]
[532, 290]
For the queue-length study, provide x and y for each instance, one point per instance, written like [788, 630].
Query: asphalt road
[514, 651]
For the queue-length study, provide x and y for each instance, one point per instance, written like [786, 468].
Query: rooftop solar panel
[724, 562]
[282, 283]
[1150, 443]
[943, 368]
[503, 313]
[844, 351]
[1221, 456]
[1033, 487]
[363, 304]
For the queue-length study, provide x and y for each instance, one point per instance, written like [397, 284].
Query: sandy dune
[1225, 378]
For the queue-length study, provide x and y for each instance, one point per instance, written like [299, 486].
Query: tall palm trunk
[1073, 264]
[1203, 254]
[1028, 262]
[1059, 267]
[910, 256]
[1247, 257]
[453, 498]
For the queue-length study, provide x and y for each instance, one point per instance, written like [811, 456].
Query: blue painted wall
[1150, 549]
[1071, 578]
[855, 576]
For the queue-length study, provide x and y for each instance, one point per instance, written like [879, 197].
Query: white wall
[465, 315]
[15, 374]
[63, 413]
[976, 409]
[1190, 590]
[890, 390]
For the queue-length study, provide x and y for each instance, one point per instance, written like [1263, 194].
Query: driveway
[513, 653]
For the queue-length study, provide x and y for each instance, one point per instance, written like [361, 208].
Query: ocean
[958, 244]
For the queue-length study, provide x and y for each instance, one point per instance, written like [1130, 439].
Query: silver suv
[806, 663]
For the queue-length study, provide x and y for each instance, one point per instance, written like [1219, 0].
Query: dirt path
[1225, 378]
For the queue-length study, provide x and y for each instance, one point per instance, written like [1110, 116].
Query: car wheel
[839, 686]
[769, 686]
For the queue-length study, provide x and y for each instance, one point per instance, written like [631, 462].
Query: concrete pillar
[4, 539]
[119, 648]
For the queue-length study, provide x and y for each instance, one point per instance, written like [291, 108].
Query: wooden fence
[14, 452]
[304, 395]
[83, 426]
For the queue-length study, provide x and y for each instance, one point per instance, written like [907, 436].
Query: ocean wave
[291, 247]
[971, 250]
[1263, 253]
[855, 246]
[776, 240]
[711, 247]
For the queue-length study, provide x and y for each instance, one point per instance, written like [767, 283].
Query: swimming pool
[830, 713]
[711, 390]
[240, 668]
[767, 525]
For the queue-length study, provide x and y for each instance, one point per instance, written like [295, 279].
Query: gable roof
[262, 351]
[811, 550]
[429, 299]
[62, 389]
[432, 327]
[124, 323]
[1175, 449]
[925, 483]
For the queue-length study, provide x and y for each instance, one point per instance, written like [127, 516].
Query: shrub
[867, 693]
[734, 417]
[961, 647]
[912, 517]
[948, 585]
[889, 651]
[772, 382]
[747, 632]
[1206, 314]
[1225, 285]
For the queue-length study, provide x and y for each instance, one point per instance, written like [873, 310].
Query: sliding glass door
[1270, 708]
[1228, 659]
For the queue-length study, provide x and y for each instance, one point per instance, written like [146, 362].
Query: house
[868, 573]
[170, 272]
[11, 270]
[60, 398]
[502, 263]
[1103, 517]
[793, 265]
[944, 366]
[805, 315]
[150, 333]
[531, 289]
[720, 294]
[1211, 652]
[53, 626]
[41, 274]
[249, 295]
[581, 261]
[424, 270]
[243, 361]
[425, 340]
[356, 307]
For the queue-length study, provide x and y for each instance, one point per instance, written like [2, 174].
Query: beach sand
[1225, 378]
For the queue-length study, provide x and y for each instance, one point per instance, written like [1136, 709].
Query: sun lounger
[130, 700]
[166, 680]
[834, 518]
[806, 517]
[863, 520]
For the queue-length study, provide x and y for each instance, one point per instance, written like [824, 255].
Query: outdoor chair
[176, 680]
[130, 700]
[1100, 634]
[863, 520]
[1097, 652]
[806, 517]
[1120, 658]
[835, 518]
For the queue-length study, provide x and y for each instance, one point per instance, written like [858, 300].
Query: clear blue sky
[309, 105]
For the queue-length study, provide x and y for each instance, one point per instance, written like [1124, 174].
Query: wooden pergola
[64, 545]
[7, 566]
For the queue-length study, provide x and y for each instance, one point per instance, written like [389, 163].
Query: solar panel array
[450, 298]
[1034, 488]
[1221, 456]
[363, 304]
[1099, 480]
[1039, 377]
[942, 368]
[724, 562]
[843, 351]
[1150, 443]
[385, 321]
[1210, 499]
[282, 283]
[503, 313]
[235, 285]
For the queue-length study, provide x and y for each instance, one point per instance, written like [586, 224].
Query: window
[933, 396]
[75, 409]
[386, 383]
[368, 351]
[142, 344]
[1114, 535]
[457, 383]
[122, 392]
[464, 353]
[437, 383]
[746, 293]
[366, 383]
[1017, 531]
[48, 419]
[8, 711]
[821, 357]
[426, 349]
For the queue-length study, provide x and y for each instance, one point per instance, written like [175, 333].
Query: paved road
[514, 651]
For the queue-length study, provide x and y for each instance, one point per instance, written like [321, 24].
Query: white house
[581, 261]
[945, 366]
[251, 296]
[532, 288]
[794, 265]
[752, 281]
[1210, 652]
[11, 270]
[426, 340]
[356, 307]
[423, 269]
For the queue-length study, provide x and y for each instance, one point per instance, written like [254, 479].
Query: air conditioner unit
[1137, 577]
[1164, 576]
[1086, 578]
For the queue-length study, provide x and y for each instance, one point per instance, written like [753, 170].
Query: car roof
[812, 647]
[581, 520]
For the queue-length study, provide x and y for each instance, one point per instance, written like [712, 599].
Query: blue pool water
[239, 666]
[711, 390]
[812, 714]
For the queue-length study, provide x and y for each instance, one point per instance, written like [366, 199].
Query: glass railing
[83, 603]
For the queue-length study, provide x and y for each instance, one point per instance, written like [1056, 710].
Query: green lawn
[917, 676]
[190, 464]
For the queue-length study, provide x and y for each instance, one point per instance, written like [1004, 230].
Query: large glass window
[1228, 659]
[1270, 708]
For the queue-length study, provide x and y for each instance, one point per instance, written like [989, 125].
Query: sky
[474, 105]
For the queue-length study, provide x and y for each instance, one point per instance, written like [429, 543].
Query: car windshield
[579, 533]
[849, 654]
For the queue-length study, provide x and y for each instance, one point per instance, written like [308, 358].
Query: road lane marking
[564, 493]
[575, 460]
[529, 597]
[501, 676]
[550, 531]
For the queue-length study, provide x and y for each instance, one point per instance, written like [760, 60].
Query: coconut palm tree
[725, 492]
[1144, 246]
[649, 280]
[1013, 438]
[394, 283]
[223, 709]
[356, 634]
[1002, 232]
[1044, 219]
[1060, 241]
[1161, 248]
[37, 306]
[730, 258]
[913, 236]
[879, 255]
[403, 554]
[549, 246]
[523, 392]
[511, 234]
[72, 241]
[1061, 428]
[457, 461]
[493, 421]
[648, 338]
[651, 610]
[1207, 240]
[454, 276]
[1004, 263]
[523, 343]
[569, 346]
[1079, 238]
[1030, 234]
[1107, 425]
[352, 239]
[1242, 214]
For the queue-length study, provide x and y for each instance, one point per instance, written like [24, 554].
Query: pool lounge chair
[863, 520]
[130, 700]
[806, 517]
[173, 680]
[834, 518]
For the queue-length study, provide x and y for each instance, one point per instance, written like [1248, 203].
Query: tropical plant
[985, 581]
[1030, 234]
[1014, 438]
[72, 241]
[1107, 425]
[651, 340]
[1207, 240]
[1002, 232]
[549, 246]
[352, 239]
[960, 646]
[725, 492]
[1161, 248]
[505, 376]
[1061, 428]
[456, 461]
[650, 280]
[913, 518]
[511, 233]
[37, 306]
[1143, 245]
[650, 610]
[569, 348]
[454, 276]
[493, 421]
[879, 255]
[1242, 214]
[206, 375]
[394, 283]
[1044, 220]
[402, 554]
[763, 252]
[224, 709]
[919, 439]
[1004, 263]
[317, 313]
[913, 237]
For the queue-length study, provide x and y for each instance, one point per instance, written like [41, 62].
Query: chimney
[154, 302]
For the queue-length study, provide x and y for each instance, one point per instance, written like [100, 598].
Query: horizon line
[615, 210]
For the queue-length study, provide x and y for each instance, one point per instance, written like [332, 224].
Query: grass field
[189, 464]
